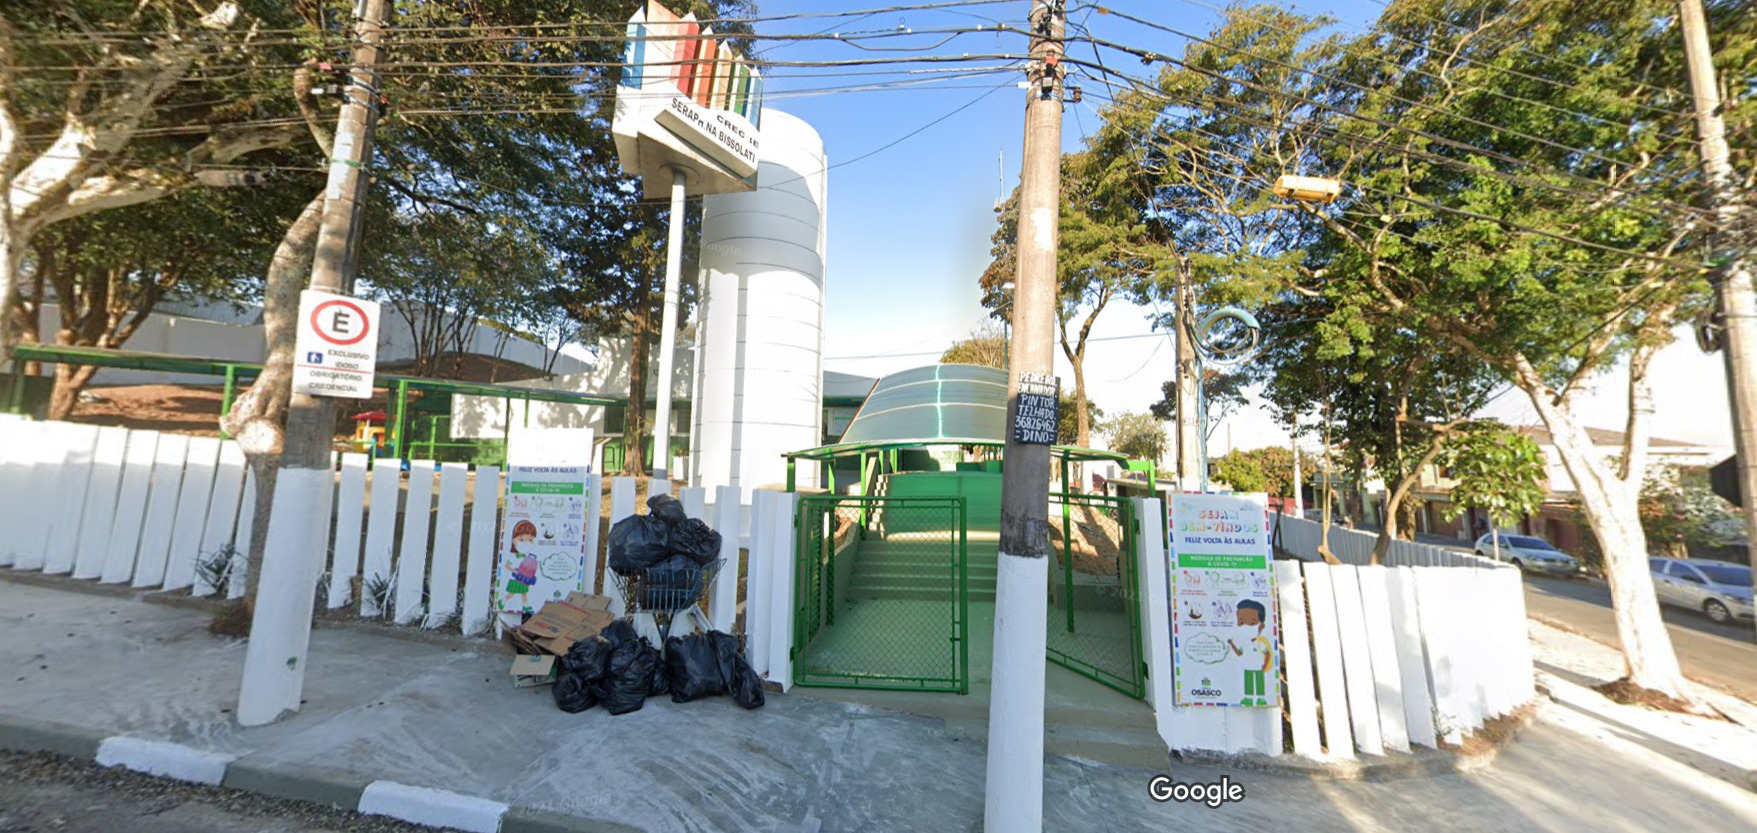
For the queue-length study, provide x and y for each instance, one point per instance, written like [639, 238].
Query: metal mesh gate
[881, 594]
[1094, 611]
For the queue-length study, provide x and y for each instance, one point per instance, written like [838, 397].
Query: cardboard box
[587, 601]
[532, 670]
[558, 625]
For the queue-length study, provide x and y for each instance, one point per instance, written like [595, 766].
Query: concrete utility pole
[292, 560]
[661, 429]
[1015, 707]
[1189, 369]
[1734, 238]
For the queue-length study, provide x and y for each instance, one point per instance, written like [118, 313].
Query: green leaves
[1497, 470]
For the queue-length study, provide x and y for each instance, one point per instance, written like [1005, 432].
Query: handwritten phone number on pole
[1035, 421]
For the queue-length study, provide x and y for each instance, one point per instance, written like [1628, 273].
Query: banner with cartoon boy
[1223, 630]
[542, 550]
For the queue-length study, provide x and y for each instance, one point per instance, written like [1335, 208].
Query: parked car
[1719, 590]
[1529, 554]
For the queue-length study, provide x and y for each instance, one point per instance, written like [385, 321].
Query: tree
[1497, 470]
[1191, 155]
[986, 345]
[1223, 393]
[1547, 232]
[1101, 255]
[107, 272]
[90, 123]
[1067, 420]
[1680, 512]
[1268, 470]
[1137, 435]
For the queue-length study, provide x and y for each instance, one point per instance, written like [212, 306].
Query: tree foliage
[1268, 469]
[1499, 471]
[1137, 435]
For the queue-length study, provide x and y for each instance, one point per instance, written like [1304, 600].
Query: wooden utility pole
[280, 628]
[1015, 712]
[1736, 273]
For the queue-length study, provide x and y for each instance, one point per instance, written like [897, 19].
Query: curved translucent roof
[940, 404]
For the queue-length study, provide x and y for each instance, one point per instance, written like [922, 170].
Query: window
[1656, 564]
[1737, 575]
[1685, 572]
[1526, 542]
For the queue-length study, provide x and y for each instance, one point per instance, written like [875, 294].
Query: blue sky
[909, 226]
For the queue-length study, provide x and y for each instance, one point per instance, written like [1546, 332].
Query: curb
[328, 787]
[1423, 763]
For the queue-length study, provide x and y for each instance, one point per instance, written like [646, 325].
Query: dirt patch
[1097, 539]
[232, 620]
[1626, 692]
[174, 409]
[1496, 732]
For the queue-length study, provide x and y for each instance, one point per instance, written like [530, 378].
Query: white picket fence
[1300, 538]
[1376, 659]
[148, 508]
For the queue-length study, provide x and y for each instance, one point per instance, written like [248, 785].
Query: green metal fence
[881, 594]
[1095, 612]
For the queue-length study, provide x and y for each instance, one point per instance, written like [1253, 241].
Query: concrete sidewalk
[82, 668]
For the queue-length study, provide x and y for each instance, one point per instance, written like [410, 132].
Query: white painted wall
[761, 342]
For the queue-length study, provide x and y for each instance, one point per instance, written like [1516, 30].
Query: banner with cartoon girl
[1223, 630]
[542, 551]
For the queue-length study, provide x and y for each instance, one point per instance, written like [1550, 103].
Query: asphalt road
[1721, 655]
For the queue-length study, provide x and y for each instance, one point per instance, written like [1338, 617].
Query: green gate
[1095, 610]
[881, 593]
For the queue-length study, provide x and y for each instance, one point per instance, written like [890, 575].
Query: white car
[1533, 555]
[1719, 590]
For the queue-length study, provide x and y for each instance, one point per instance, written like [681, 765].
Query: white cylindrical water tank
[759, 372]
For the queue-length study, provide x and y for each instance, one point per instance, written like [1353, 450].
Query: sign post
[1223, 628]
[336, 351]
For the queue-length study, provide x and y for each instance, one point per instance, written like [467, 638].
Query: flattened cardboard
[530, 670]
[587, 601]
[595, 621]
[554, 619]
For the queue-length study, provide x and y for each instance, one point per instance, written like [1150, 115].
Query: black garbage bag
[667, 509]
[588, 657]
[661, 682]
[629, 676]
[697, 540]
[673, 584]
[694, 671]
[619, 633]
[573, 693]
[739, 678]
[638, 542]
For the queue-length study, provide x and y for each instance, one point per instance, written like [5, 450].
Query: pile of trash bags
[619, 670]
[667, 549]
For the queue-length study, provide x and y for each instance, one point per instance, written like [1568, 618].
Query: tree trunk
[1613, 510]
[12, 248]
[634, 434]
[70, 381]
[1394, 501]
[258, 417]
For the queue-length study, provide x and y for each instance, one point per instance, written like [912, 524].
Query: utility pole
[1014, 798]
[1736, 274]
[280, 627]
[1189, 369]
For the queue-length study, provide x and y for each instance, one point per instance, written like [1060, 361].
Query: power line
[1150, 55]
[1149, 90]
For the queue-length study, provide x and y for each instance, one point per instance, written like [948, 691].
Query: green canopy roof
[940, 404]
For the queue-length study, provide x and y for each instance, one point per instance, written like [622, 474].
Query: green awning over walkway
[940, 404]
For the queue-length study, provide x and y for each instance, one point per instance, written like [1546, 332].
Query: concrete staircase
[916, 566]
